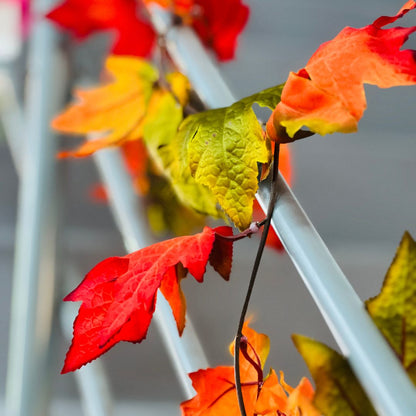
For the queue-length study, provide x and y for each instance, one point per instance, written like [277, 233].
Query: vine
[209, 162]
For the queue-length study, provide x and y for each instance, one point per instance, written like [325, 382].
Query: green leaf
[160, 135]
[222, 148]
[269, 97]
[394, 309]
[166, 213]
[338, 392]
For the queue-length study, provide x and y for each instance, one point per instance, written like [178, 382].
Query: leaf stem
[248, 232]
[270, 209]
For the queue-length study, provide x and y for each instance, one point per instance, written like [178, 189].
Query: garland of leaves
[209, 162]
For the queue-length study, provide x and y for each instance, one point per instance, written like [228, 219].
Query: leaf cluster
[210, 161]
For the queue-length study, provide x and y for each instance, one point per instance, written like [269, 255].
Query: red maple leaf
[134, 36]
[119, 294]
[218, 23]
[328, 94]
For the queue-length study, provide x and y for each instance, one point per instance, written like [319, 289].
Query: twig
[270, 209]
[248, 232]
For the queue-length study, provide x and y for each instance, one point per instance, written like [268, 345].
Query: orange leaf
[112, 111]
[216, 392]
[300, 397]
[328, 95]
[216, 386]
[272, 396]
[136, 159]
[119, 294]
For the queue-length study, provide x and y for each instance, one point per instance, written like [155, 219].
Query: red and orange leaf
[134, 36]
[216, 392]
[272, 396]
[113, 111]
[258, 349]
[328, 95]
[278, 396]
[171, 289]
[136, 159]
[215, 387]
[300, 399]
[119, 294]
[218, 23]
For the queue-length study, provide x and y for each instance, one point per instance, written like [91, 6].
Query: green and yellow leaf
[221, 148]
[338, 392]
[160, 135]
[394, 309]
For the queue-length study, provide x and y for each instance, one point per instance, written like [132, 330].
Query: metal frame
[30, 342]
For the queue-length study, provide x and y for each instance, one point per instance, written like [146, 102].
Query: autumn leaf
[134, 36]
[180, 8]
[328, 95]
[220, 149]
[216, 392]
[113, 111]
[136, 159]
[119, 294]
[393, 309]
[218, 23]
[338, 392]
[166, 213]
[160, 135]
[215, 387]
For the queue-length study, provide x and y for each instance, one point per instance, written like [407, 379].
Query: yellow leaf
[180, 87]
[113, 112]
[160, 135]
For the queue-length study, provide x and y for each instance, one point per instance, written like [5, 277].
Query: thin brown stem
[248, 232]
[270, 209]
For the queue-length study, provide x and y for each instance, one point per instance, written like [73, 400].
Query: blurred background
[358, 190]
